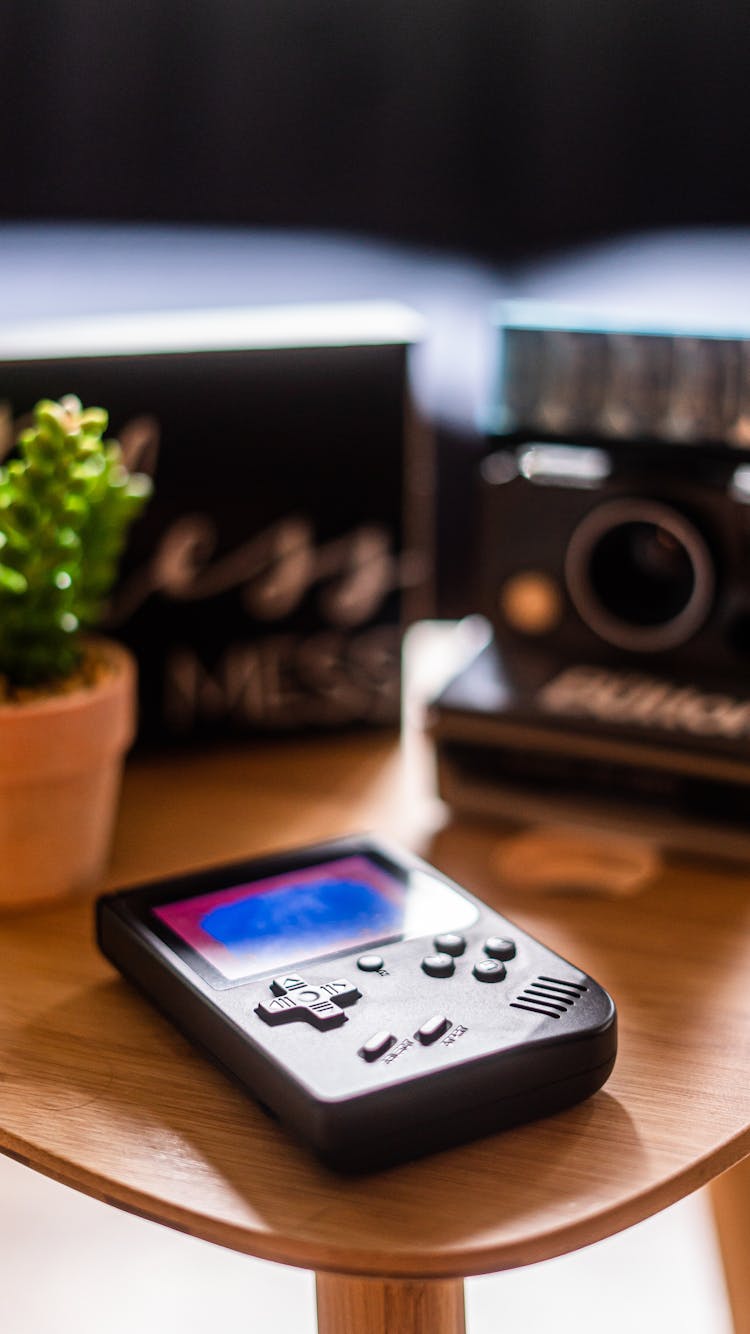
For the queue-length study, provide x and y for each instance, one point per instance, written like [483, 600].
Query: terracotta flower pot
[60, 766]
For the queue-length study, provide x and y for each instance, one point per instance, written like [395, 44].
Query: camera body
[632, 556]
[613, 562]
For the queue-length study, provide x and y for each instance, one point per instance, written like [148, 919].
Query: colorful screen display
[329, 907]
[301, 914]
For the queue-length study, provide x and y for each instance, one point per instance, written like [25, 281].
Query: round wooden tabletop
[99, 1091]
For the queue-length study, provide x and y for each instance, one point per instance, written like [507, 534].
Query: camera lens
[640, 575]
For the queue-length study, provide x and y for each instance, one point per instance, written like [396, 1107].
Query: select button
[432, 1029]
[377, 1045]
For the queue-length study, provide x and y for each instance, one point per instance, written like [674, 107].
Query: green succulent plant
[66, 502]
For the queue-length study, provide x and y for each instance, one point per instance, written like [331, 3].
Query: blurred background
[448, 152]
[500, 130]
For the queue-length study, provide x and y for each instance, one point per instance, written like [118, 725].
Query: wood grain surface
[366, 1306]
[98, 1090]
[730, 1196]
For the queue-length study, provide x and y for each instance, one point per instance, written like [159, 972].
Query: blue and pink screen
[301, 914]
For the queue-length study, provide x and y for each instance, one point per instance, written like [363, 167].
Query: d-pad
[319, 1004]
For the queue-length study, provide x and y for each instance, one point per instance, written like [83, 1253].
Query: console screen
[332, 906]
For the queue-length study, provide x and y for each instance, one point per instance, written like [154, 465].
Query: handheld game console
[376, 1008]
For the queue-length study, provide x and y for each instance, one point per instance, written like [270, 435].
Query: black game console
[379, 1010]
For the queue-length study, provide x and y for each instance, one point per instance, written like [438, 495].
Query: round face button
[489, 970]
[499, 948]
[450, 943]
[371, 963]
[438, 965]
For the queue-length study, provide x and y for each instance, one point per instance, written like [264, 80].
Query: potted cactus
[67, 700]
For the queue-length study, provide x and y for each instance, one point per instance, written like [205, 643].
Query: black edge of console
[185, 1008]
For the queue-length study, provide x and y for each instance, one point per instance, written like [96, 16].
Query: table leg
[730, 1197]
[389, 1306]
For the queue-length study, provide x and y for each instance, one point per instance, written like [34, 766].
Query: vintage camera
[633, 557]
[613, 564]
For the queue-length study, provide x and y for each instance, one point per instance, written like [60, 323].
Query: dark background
[501, 127]
[589, 151]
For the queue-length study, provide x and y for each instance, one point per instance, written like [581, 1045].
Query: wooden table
[97, 1090]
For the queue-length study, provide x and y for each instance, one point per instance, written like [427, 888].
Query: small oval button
[432, 1029]
[499, 948]
[371, 963]
[438, 965]
[377, 1045]
[489, 970]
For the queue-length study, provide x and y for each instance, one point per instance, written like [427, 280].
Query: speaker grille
[550, 996]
